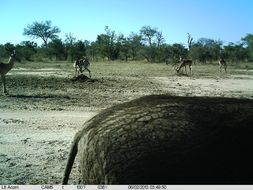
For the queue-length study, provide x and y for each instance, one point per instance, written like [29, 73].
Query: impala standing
[223, 64]
[5, 68]
[184, 63]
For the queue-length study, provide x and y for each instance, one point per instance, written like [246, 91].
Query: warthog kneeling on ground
[162, 139]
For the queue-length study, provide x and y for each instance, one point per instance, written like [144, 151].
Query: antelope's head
[13, 55]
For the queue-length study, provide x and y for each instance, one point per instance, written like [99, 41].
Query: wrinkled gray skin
[167, 140]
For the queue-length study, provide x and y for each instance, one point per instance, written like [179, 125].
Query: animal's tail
[70, 162]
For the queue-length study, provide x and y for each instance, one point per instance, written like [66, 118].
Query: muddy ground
[45, 108]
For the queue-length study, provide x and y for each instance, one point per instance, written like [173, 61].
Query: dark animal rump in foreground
[167, 140]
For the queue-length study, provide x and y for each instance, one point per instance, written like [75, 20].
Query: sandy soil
[34, 144]
[240, 86]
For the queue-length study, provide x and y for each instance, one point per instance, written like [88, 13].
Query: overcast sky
[226, 20]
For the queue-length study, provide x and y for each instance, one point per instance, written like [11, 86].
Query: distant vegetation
[146, 44]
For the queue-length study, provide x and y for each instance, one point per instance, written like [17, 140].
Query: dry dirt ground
[36, 130]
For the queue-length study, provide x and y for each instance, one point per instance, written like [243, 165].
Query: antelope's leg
[4, 84]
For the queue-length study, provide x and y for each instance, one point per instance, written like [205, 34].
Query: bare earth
[34, 143]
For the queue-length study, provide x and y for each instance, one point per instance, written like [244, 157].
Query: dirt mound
[81, 78]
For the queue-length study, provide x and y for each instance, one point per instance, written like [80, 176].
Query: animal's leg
[4, 85]
[89, 72]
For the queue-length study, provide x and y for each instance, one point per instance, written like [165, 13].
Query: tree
[189, 41]
[113, 44]
[102, 43]
[148, 34]
[26, 50]
[154, 39]
[109, 44]
[69, 41]
[206, 49]
[235, 52]
[2, 51]
[9, 47]
[159, 39]
[248, 41]
[56, 49]
[6, 50]
[79, 49]
[43, 30]
[92, 50]
[159, 44]
[178, 50]
[124, 45]
[134, 44]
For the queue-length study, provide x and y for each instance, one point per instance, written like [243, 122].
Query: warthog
[161, 139]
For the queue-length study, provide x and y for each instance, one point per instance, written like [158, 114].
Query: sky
[225, 20]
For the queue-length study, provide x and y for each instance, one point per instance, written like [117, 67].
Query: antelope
[80, 65]
[184, 63]
[5, 68]
[223, 64]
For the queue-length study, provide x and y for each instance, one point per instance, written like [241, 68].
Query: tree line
[146, 44]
